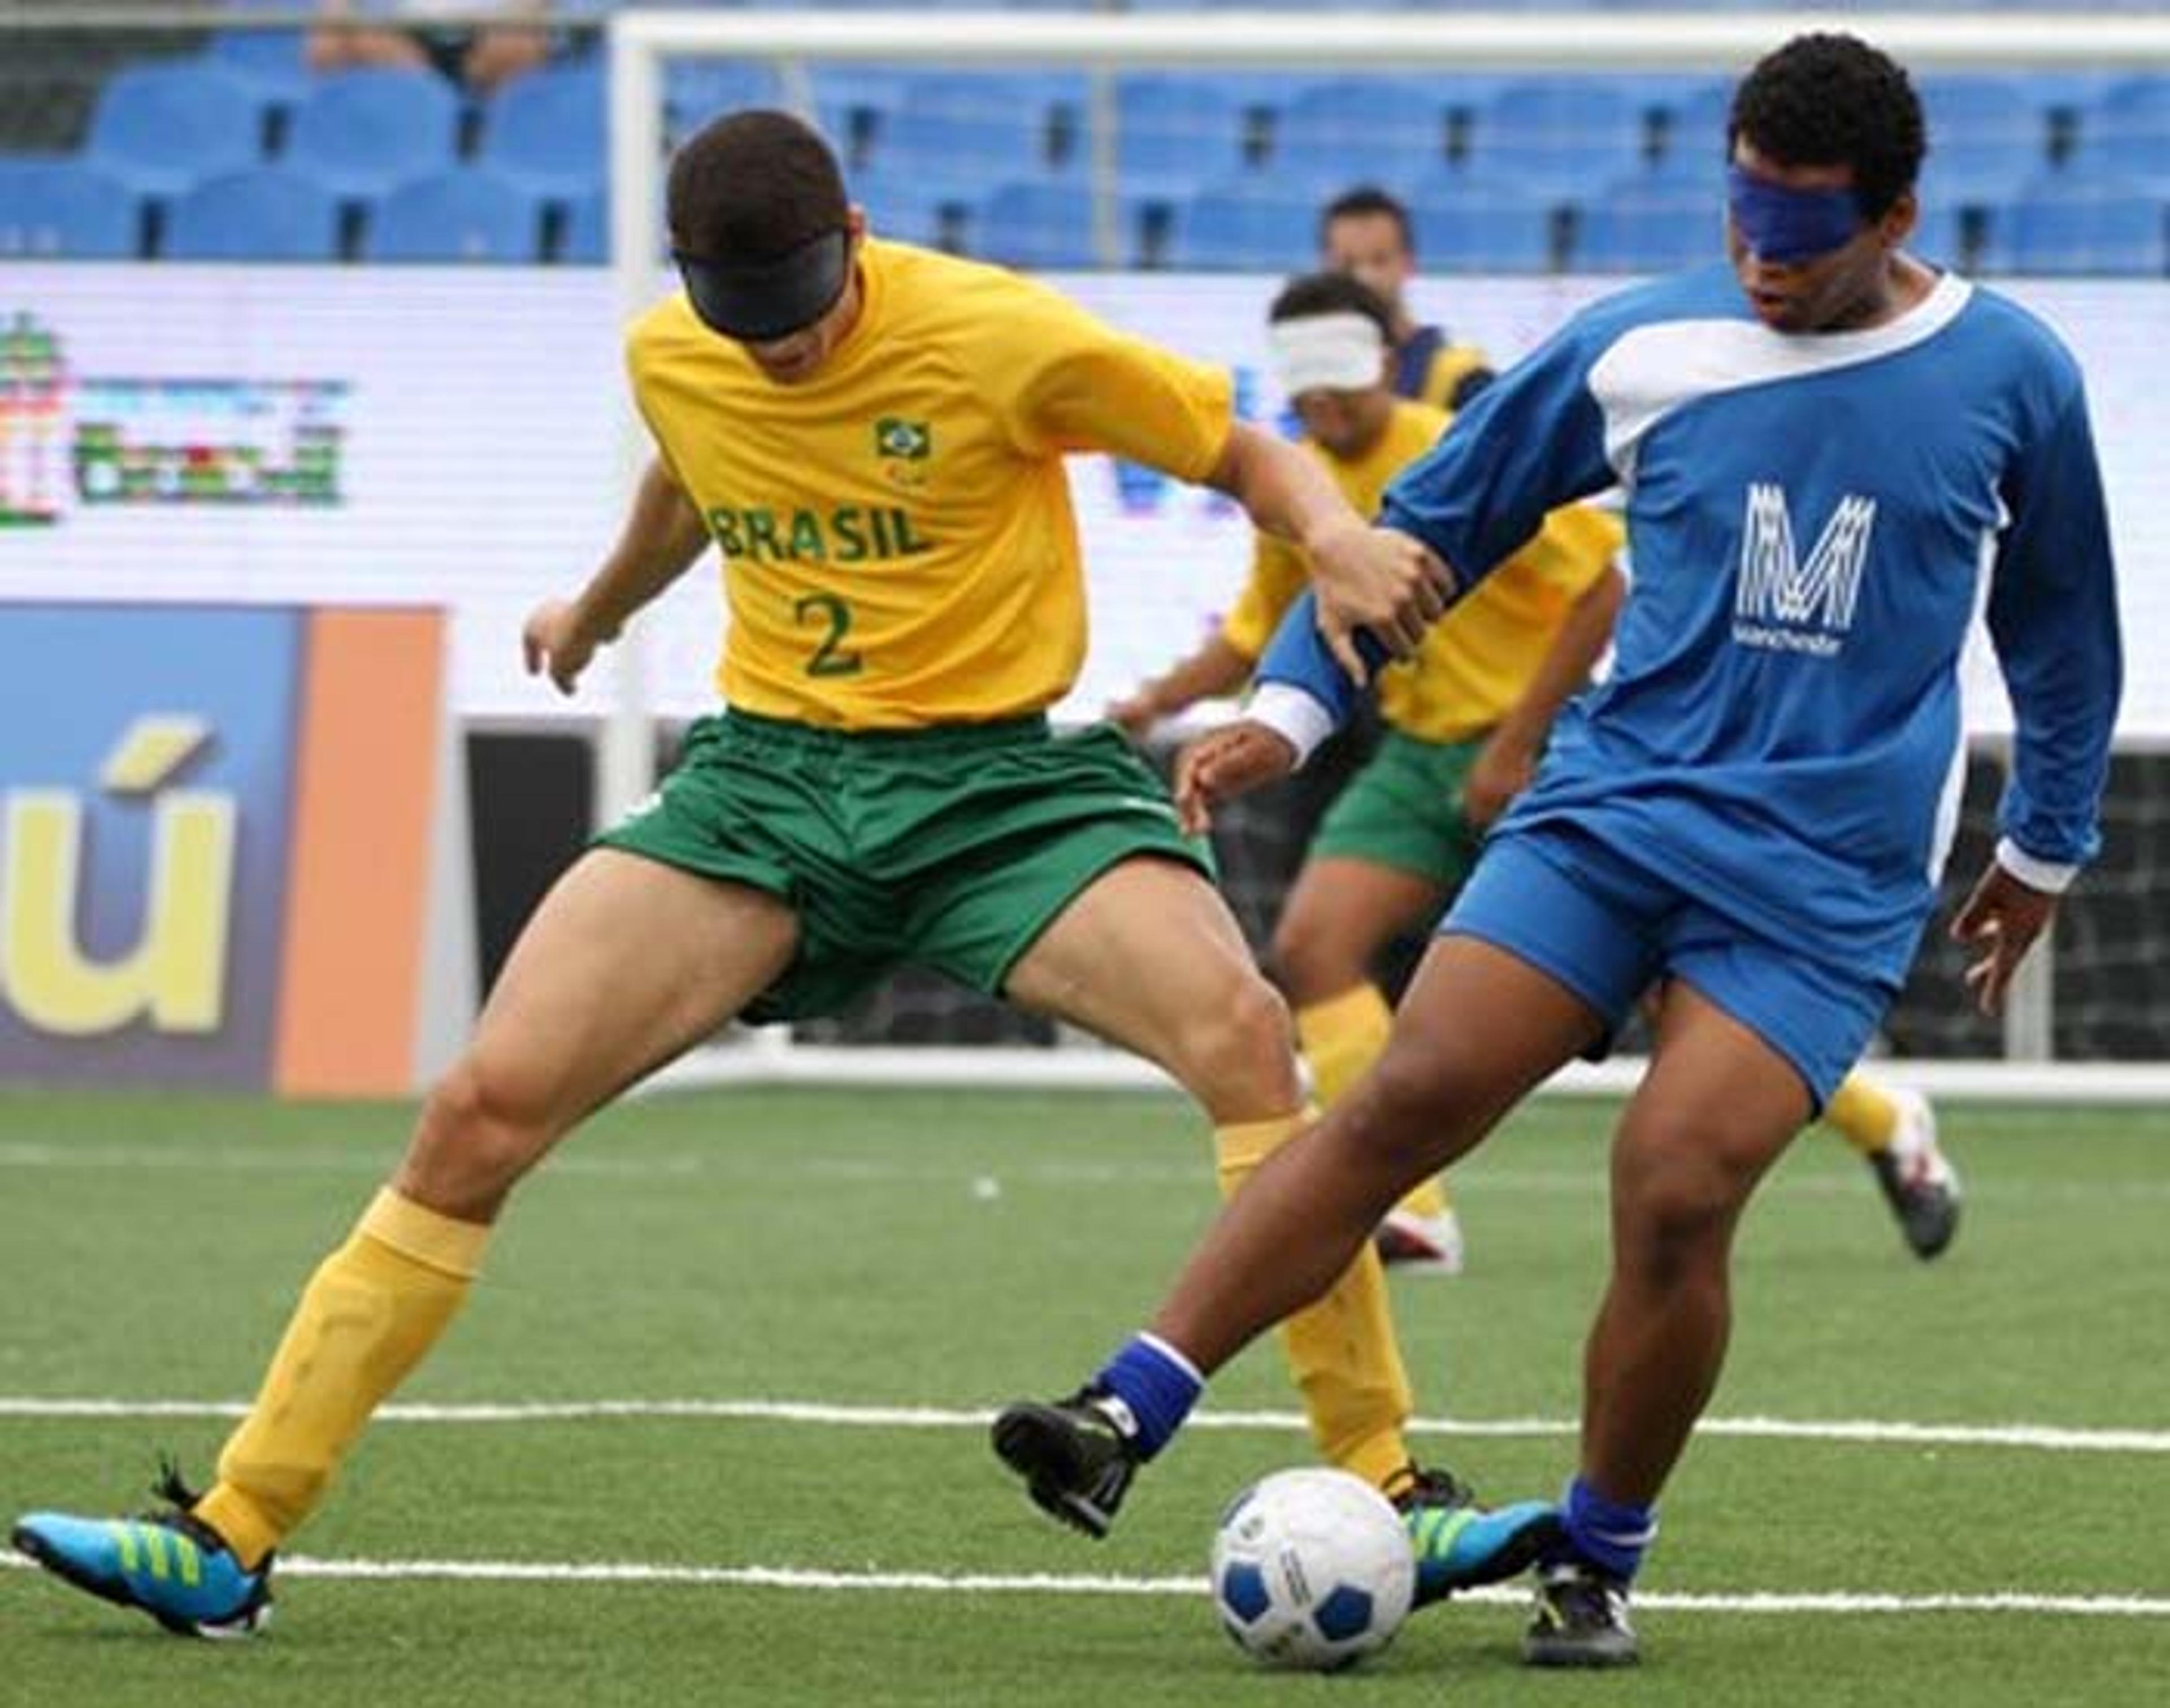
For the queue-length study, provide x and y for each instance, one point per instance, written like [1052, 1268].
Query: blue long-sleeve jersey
[1815, 520]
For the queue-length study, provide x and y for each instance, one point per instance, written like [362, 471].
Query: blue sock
[1610, 1534]
[1158, 1385]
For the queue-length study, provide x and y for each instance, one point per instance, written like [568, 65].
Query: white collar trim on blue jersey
[1652, 370]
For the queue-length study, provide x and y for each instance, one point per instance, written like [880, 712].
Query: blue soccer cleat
[167, 1563]
[1460, 1545]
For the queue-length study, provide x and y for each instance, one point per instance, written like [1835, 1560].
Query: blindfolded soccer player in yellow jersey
[872, 437]
[1466, 720]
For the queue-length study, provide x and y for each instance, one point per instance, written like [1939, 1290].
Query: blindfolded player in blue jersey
[1835, 459]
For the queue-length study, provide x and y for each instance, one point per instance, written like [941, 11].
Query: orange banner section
[366, 782]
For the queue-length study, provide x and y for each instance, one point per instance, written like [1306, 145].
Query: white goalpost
[796, 44]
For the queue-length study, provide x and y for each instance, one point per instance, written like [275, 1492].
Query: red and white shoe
[1420, 1244]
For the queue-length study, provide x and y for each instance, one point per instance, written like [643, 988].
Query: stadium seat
[359, 132]
[467, 214]
[544, 131]
[265, 213]
[902, 206]
[273, 62]
[1361, 130]
[2065, 224]
[586, 239]
[1691, 145]
[1238, 225]
[1986, 137]
[697, 90]
[1035, 222]
[162, 128]
[1174, 136]
[1558, 135]
[65, 210]
[2127, 133]
[1475, 225]
[1647, 224]
[960, 137]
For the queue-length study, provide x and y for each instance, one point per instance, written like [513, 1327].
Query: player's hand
[1233, 760]
[557, 642]
[1134, 714]
[2001, 918]
[1501, 770]
[1378, 579]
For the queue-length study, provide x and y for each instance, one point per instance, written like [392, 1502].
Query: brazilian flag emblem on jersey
[902, 441]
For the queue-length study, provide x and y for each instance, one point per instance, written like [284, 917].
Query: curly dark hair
[1332, 294]
[1834, 100]
[753, 186]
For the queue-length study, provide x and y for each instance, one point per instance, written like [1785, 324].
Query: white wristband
[2048, 876]
[1293, 715]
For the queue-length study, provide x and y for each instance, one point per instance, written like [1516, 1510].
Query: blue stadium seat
[544, 131]
[1174, 135]
[1240, 227]
[1940, 235]
[1361, 130]
[467, 214]
[1693, 130]
[586, 237]
[65, 210]
[1558, 135]
[1649, 224]
[359, 132]
[697, 90]
[273, 62]
[1986, 137]
[2127, 133]
[265, 213]
[903, 206]
[1476, 225]
[161, 128]
[962, 136]
[2063, 224]
[1037, 222]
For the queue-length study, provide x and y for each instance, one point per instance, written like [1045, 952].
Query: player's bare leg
[1717, 1108]
[626, 963]
[1341, 913]
[1478, 1030]
[1149, 957]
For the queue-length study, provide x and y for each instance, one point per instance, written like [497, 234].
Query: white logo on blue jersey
[1784, 604]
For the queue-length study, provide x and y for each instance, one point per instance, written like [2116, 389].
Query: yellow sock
[1864, 1113]
[1341, 1349]
[374, 1308]
[1341, 1038]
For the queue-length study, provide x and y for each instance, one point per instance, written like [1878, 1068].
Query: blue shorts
[1607, 929]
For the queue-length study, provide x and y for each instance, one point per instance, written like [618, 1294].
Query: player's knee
[478, 1133]
[1675, 1211]
[1311, 964]
[1238, 1050]
[1413, 1109]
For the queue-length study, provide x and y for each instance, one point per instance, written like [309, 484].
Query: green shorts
[1404, 810]
[952, 848]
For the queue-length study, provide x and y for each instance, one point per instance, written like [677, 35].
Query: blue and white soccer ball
[1312, 1570]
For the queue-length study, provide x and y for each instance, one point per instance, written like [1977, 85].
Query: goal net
[1167, 170]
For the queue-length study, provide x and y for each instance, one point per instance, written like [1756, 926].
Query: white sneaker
[1421, 1244]
[1919, 1181]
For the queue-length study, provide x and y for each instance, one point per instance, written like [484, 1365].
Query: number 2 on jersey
[830, 658]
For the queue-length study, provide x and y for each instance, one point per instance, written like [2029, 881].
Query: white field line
[1047, 1583]
[2042, 1437]
[726, 1167]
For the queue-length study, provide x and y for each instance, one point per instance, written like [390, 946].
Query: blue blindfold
[1784, 226]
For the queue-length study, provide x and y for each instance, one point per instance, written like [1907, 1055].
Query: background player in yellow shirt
[872, 437]
[1465, 719]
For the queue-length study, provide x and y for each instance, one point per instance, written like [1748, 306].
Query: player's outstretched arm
[1231, 761]
[662, 537]
[1216, 669]
[1367, 579]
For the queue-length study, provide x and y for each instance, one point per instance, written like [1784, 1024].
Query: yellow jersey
[898, 545]
[1473, 667]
